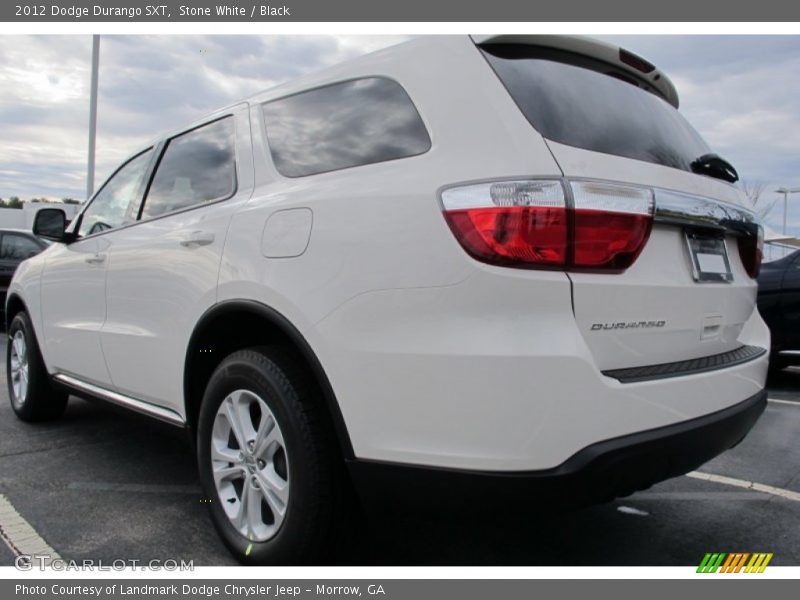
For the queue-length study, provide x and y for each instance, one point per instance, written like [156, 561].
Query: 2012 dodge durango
[501, 265]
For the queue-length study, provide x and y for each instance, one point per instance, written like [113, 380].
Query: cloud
[148, 85]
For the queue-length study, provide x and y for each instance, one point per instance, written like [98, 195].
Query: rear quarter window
[343, 125]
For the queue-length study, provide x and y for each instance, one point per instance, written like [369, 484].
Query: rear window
[580, 102]
[343, 125]
[18, 247]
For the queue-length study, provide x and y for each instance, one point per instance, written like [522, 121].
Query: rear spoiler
[628, 62]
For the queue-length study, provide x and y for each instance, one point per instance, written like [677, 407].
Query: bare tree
[753, 190]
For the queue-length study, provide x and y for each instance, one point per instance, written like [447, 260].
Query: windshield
[586, 103]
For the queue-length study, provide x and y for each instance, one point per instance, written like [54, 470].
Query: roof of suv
[620, 59]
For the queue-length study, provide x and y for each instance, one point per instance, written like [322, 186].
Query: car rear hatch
[662, 253]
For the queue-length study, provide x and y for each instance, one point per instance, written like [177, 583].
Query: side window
[18, 247]
[343, 125]
[117, 202]
[197, 166]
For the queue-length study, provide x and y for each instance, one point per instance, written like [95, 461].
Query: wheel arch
[254, 323]
[14, 306]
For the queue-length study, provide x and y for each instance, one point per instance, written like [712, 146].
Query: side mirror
[50, 223]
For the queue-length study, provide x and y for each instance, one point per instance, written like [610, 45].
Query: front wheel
[32, 396]
[266, 460]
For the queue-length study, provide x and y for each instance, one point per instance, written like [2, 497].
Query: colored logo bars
[734, 562]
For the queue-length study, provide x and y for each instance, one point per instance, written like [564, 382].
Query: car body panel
[74, 309]
[779, 304]
[9, 264]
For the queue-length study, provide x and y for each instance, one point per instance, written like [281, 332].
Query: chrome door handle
[198, 238]
[96, 259]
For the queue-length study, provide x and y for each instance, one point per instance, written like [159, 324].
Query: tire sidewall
[291, 542]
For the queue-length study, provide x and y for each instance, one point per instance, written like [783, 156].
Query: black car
[779, 304]
[15, 246]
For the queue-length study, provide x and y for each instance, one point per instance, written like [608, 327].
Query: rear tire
[286, 481]
[32, 395]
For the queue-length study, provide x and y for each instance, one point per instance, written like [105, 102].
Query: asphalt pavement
[103, 484]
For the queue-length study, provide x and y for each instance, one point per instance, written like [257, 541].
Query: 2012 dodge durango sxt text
[502, 265]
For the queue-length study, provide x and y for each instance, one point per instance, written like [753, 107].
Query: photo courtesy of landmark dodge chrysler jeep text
[389, 275]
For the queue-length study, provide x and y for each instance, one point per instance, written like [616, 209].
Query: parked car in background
[15, 246]
[515, 274]
[779, 304]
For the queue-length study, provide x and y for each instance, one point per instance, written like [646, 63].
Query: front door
[74, 278]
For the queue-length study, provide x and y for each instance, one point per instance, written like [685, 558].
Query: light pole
[786, 192]
[92, 116]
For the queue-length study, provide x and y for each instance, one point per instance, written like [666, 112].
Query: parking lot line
[20, 536]
[750, 485]
[136, 488]
[777, 401]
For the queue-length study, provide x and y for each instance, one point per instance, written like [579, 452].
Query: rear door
[688, 294]
[162, 272]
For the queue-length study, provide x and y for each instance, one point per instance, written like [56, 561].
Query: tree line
[15, 202]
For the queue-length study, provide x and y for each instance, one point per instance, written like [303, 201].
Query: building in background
[15, 218]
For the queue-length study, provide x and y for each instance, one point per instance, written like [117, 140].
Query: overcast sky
[740, 92]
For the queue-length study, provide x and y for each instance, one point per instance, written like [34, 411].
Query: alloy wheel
[250, 466]
[19, 368]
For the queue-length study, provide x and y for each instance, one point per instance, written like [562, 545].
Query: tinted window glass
[198, 166]
[118, 201]
[590, 109]
[18, 247]
[343, 125]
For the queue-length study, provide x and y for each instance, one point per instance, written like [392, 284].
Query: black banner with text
[406, 11]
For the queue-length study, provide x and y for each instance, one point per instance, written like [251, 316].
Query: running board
[145, 408]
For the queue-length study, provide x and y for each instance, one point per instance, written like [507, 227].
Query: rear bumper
[494, 375]
[599, 472]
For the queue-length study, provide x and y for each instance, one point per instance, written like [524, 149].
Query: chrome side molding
[151, 410]
[676, 208]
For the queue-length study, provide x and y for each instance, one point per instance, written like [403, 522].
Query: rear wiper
[714, 165]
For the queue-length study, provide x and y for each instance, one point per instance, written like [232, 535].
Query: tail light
[535, 224]
[751, 249]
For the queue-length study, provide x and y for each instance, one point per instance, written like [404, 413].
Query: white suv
[461, 266]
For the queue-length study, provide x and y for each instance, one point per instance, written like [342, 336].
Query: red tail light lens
[609, 241]
[533, 236]
[612, 224]
[751, 249]
[515, 223]
[527, 224]
[529, 235]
